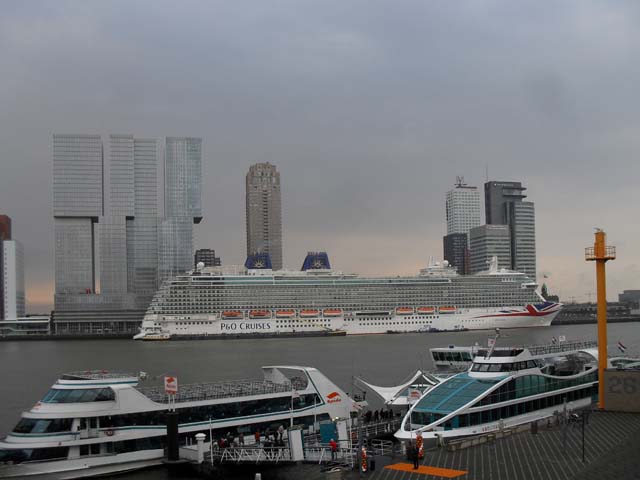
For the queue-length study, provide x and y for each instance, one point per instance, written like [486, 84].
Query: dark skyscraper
[456, 251]
[505, 205]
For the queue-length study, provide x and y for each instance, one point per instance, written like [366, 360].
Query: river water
[29, 368]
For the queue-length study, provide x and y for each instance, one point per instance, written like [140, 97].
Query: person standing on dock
[241, 440]
[257, 437]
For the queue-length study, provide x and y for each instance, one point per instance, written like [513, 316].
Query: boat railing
[208, 391]
[561, 347]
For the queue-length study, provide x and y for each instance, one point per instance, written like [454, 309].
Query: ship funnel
[316, 261]
[258, 261]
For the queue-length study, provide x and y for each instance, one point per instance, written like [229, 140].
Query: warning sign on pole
[171, 385]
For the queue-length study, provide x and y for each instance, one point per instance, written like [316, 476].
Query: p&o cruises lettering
[244, 326]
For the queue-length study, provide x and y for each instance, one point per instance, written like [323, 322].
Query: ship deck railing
[211, 391]
[561, 347]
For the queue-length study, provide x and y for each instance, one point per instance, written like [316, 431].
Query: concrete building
[112, 247]
[463, 214]
[489, 241]
[456, 251]
[12, 295]
[505, 205]
[264, 212]
[463, 208]
[208, 257]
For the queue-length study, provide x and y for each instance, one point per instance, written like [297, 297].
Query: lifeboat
[309, 313]
[426, 310]
[232, 314]
[285, 313]
[447, 309]
[404, 311]
[332, 312]
[259, 314]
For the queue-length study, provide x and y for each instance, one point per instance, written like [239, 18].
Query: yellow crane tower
[601, 253]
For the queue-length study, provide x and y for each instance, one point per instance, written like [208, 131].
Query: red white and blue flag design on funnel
[538, 310]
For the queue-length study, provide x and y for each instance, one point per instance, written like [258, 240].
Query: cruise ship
[256, 300]
[505, 387]
[99, 423]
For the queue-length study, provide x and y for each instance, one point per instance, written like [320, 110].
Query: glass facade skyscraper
[505, 205]
[110, 239]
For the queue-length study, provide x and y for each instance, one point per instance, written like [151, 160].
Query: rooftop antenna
[486, 173]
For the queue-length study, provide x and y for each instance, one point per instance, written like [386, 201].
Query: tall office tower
[463, 207]
[183, 178]
[264, 212]
[463, 214]
[5, 227]
[208, 257]
[106, 214]
[77, 205]
[489, 241]
[505, 205]
[183, 205]
[12, 295]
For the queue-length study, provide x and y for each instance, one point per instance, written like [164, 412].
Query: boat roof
[399, 394]
[98, 375]
[454, 393]
[536, 351]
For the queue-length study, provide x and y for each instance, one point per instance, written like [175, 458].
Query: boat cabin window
[79, 395]
[31, 425]
[503, 367]
[33, 455]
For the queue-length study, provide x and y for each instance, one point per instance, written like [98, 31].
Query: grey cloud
[368, 108]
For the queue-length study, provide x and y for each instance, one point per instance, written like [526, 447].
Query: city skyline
[371, 115]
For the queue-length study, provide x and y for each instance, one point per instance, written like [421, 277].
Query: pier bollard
[200, 443]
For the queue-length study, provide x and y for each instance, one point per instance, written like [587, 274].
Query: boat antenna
[493, 346]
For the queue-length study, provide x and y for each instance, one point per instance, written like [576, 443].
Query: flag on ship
[621, 346]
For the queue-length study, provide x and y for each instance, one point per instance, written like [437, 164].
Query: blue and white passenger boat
[99, 423]
[505, 387]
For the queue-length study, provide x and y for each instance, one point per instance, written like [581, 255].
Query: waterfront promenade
[611, 452]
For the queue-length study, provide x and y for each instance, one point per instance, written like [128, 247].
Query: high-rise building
[505, 205]
[5, 227]
[264, 212]
[456, 251]
[208, 257]
[112, 248]
[183, 178]
[463, 214]
[12, 295]
[489, 241]
[463, 207]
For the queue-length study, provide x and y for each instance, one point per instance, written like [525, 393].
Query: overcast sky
[369, 110]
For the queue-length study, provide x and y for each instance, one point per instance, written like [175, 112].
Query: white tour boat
[99, 423]
[505, 387]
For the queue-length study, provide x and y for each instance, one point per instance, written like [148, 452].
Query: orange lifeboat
[332, 312]
[259, 314]
[229, 314]
[447, 309]
[404, 310]
[426, 310]
[285, 313]
[309, 313]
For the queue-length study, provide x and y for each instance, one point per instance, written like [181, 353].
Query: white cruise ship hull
[351, 324]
